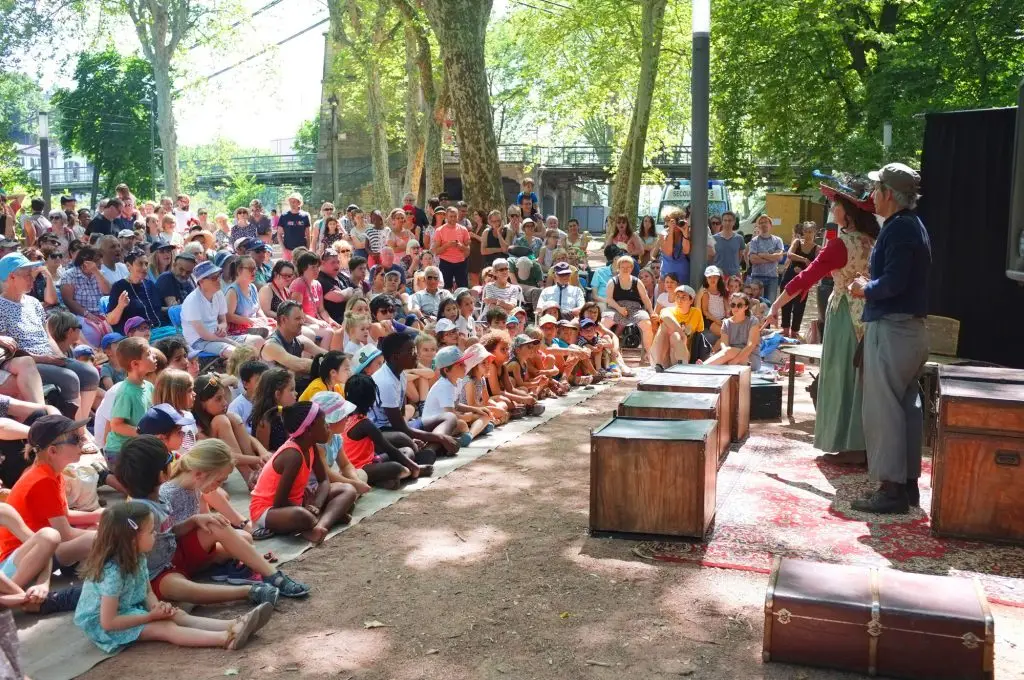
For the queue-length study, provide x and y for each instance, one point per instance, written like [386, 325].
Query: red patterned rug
[775, 498]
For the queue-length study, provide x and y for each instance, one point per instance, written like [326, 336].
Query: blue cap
[365, 357]
[587, 323]
[11, 262]
[260, 245]
[109, 339]
[205, 269]
[221, 259]
[83, 351]
[163, 418]
[252, 243]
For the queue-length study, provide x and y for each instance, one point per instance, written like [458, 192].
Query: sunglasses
[735, 305]
[432, 278]
[56, 256]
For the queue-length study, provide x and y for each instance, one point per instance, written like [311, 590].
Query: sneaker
[62, 600]
[489, 429]
[232, 571]
[287, 586]
[264, 592]
[465, 439]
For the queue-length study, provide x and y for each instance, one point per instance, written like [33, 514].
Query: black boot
[913, 493]
[890, 498]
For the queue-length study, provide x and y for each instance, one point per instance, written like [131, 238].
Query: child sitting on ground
[249, 376]
[419, 379]
[564, 357]
[473, 387]
[466, 324]
[280, 502]
[331, 369]
[357, 326]
[368, 361]
[339, 468]
[499, 346]
[205, 540]
[133, 399]
[443, 398]
[384, 464]
[496, 318]
[143, 466]
[275, 391]
[118, 607]
[513, 373]
[112, 371]
[446, 333]
[541, 365]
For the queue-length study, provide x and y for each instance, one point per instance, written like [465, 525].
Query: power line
[260, 53]
[238, 23]
[539, 9]
[556, 4]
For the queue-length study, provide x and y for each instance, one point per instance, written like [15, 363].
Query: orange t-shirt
[451, 234]
[38, 496]
[263, 495]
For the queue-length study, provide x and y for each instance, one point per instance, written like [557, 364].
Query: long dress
[838, 425]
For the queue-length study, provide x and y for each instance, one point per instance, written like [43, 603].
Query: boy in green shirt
[133, 398]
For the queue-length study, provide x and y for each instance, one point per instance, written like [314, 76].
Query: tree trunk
[165, 119]
[413, 129]
[378, 137]
[460, 27]
[629, 174]
[433, 118]
[96, 181]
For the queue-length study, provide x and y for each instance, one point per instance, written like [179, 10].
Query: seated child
[466, 323]
[541, 365]
[520, 403]
[275, 391]
[588, 339]
[446, 333]
[357, 326]
[143, 466]
[368, 361]
[249, 375]
[111, 372]
[205, 539]
[118, 607]
[678, 324]
[443, 398]
[564, 357]
[473, 387]
[496, 318]
[339, 469]
[369, 451]
[419, 379]
[133, 399]
[280, 501]
[331, 369]
[612, 361]
[741, 336]
[210, 409]
[513, 372]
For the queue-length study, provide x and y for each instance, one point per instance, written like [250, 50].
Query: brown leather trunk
[699, 384]
[739, 389]
[675, 406]
[653, 476]
[877, 621]
[977, 467]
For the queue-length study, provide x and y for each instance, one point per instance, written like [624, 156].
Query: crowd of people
[170, 350]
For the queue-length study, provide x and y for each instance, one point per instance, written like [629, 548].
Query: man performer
[895, 342]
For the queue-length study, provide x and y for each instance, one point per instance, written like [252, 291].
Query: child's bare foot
[316, 535]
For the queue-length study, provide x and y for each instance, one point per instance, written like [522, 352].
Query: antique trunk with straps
[877, 621]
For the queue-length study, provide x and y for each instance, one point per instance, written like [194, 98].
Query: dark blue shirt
[293, 228]
[899, 269]
[143, 300]
[168, 285]
[99, 225]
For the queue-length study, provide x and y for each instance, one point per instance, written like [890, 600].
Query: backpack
[631, 336]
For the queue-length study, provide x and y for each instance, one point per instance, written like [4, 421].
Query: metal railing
[575, 156]
[67, 175]
[255, 165]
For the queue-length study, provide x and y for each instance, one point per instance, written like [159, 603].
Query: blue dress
[131, 592]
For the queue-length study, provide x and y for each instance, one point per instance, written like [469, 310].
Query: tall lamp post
[333, 101]
[700, 77]
[44, 155]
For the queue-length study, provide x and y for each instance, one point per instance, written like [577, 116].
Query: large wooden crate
[676, 406]
[977, 471]
[739, 390]
[699, 384]
[653, 476]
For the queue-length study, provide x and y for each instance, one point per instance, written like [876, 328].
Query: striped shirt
[510, 293]
[376, 239]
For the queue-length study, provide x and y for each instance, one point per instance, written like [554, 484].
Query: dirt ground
[490, 573]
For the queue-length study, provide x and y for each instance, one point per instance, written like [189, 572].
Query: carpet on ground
[776, 498]
[74, 654]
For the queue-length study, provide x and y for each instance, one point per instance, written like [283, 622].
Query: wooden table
[813, 353]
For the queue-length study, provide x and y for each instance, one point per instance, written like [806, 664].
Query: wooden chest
[676, 406]
[699, 384]
[765, 399]
[977, 471]
[877, 621]
[653, 476]
[739, 390]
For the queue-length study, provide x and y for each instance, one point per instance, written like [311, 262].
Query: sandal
[261, 533]
[251, 622]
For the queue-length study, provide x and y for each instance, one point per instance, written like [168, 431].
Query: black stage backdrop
[966, 168]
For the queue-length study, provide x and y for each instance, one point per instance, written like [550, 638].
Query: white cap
[444, 325]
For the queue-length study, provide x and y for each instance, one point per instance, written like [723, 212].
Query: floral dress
[131, 593]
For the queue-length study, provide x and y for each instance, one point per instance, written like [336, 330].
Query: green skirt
[838, 426]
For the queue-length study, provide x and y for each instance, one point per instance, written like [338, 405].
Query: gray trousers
[895, 349]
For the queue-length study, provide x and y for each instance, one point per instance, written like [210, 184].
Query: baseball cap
[165, 246]
[512, 320]
[444, 325]
[125, 233]
[163, 418]
[897, 176]
[296, 196]
[222, 258]
[251, 243]
[334, 407]
[260, 245]
[109, 339]
[523, 339]
[549, 304]
[712, 270]
[562, 268]
[500, 263]
[204, 270]
[240, 243]
[351, 207]
[474, 356]
[587, 323]
[183, 256]
[448, 356]
[546, 319]
[364, 357]
[686, 289]
[83, 351]
[12, 262]
[49, 428]
[527, 221]
[133, 323]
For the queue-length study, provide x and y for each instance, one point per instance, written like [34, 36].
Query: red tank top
[270, 479]
[358, 451]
